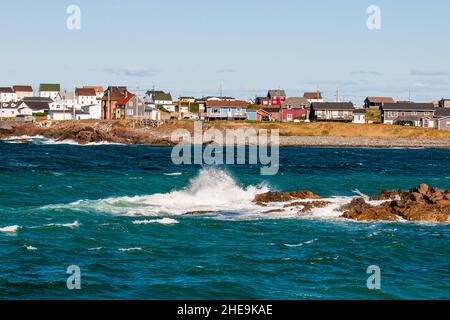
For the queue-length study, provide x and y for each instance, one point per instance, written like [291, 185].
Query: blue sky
[248, 46]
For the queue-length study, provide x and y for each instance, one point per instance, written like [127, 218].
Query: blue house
[251, 114]
[226, 110]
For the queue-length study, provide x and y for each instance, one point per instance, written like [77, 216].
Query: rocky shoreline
[85, 132]
[421, 204]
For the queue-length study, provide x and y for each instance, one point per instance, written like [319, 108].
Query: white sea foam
[75, 143]
[129, 249]
[173, 174]
[30, 248]
[95, 249]
[10, 229]
[214, 191]
[72, 225]
[301, 244]
[160, 221]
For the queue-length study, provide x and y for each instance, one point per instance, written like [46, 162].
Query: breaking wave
[41, 140]
[213, 193]
[10, 229]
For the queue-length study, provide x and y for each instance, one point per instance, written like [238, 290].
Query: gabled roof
[35, 105]
[6, 90]
[23, 88]
[226, 103]
[90, 92]
[125, 99]
[295, 102]
[312, 95]
[332, 106]
[160, 95]
[276, 93]
[380, 99]
[116, 93]
[53, 87]
[407, 106]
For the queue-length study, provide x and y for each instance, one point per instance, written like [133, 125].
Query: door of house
[426, 123]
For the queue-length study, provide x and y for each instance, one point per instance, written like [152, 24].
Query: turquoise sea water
[116, 212]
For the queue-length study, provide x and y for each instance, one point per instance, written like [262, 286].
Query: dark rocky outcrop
[196, 213]
[308, 206]
[419, 204]
[285, 196]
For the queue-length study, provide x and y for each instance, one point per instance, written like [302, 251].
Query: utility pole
[64, 107]
[73, 107]
[337, 95]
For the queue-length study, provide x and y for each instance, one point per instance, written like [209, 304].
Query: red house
[274, 98]
[268, 114]
[295, 108]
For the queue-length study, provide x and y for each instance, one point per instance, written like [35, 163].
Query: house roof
[6, 90]
[37, 99]
[98, 89]
[313, 95]
[271, 110]
[125, 99]
[406, 106]
[116, 93]
[380, 99]
[35, 105]
[159, 95]
[226, 103]
[23, 88]
[90, 92]
[442, 112]
[295, 102]
[53, 87]
[276, 93]
[332, 106]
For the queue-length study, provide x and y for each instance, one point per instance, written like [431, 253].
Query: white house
[160, 99]
[8, 110]
[86, 97]
[313, 97]
[68, 101]
[94, 111]
[152, 113]
[359, 116]
[7, 95]
[49, 90]
[30, 106]
[23, 92]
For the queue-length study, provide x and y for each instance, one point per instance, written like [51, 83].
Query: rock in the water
[419, 204]
[308, 206]
[284, 196]
[359, 210]
[385, 195]
[196, 213]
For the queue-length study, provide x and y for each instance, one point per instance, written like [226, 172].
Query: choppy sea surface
[117, 213]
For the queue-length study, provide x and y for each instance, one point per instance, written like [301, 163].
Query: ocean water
[117, 213]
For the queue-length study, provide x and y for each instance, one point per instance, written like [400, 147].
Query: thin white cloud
[430, 73]
[225, 70]
[133, 71]
[367, 73]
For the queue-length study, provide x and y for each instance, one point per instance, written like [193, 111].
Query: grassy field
[321, 129]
